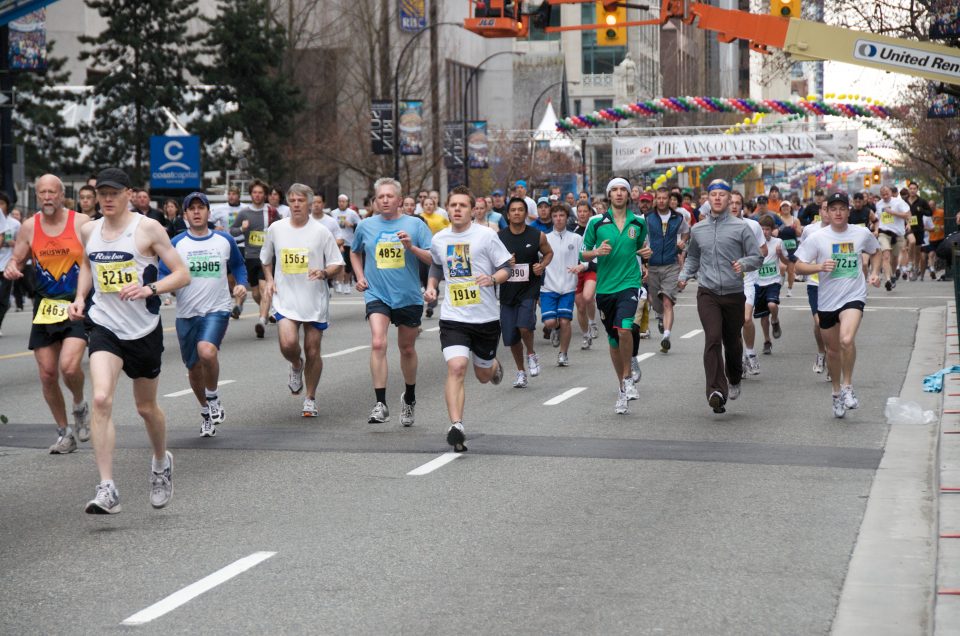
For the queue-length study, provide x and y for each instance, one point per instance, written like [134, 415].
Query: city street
[563, 517]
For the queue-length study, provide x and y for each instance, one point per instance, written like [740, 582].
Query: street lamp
[396, 93]
[536, 102]
[463, 108]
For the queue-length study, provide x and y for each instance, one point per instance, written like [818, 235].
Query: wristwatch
[153, 288]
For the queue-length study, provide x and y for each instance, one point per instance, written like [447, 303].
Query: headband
[617, 181]
[719, 184]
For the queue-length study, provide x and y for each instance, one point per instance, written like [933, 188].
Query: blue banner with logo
[413, 15]
[175, 163]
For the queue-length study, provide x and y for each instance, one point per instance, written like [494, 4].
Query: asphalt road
[560, 519]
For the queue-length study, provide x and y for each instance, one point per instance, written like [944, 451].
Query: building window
[600, 104]
[597, 60]
[457, 77]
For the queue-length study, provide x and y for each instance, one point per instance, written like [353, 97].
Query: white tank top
[115, 264]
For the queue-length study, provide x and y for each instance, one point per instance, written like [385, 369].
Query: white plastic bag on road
[900, 411]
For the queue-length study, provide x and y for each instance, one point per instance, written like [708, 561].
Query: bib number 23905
[115, 276]
[463, 294]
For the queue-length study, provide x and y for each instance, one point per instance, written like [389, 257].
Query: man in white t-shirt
[298, 256]
[835, 254]
[813, 289]
[894, 213]
[472, 260]
[348, 220]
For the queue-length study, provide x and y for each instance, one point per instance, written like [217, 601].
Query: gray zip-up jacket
[715, 243]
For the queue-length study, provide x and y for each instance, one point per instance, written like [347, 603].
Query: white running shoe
[753, 365]
[587, 341]
[379, 414]
[635, 372]
[106, 501]
[555, 338]
[733, 392]
[521, 381]
[839, 408]
[850, 399]
[64, 444]
[630, 389]
[623, 403]
[217, 412]
[161, 484]
[309, 408]
[562, 360]
[406, 412]
[295, 384]
[81, 421]
[594, 331]
[818, 366]
[207, 427]
[533, 363]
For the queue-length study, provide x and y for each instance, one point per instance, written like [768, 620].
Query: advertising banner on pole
[413, 15]
[410, 127]
[652, 153]
[381, 127]
[478, 148]
[453, 145]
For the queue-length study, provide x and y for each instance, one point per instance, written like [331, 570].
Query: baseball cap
[543, 201]
[839, 197]
[762, 199]
[646, 196]
[785, 203]
[497, 193]
[113, 178]
[521, 182]
[818, 192]
[187, 200]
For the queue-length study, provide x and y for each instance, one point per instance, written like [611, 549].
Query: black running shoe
[716, 401]
[456, 437]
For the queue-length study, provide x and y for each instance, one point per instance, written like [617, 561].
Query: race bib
[51, 311]
[914, 222]
[205, 265]
[519, 273]
[816, 218]
[768, 270]
[342, 221]
[390, 255]
[886, 218]
[789, 244]
[112, 277]
[256, 238]
[293, 260]
[463, 294]
[848, 265]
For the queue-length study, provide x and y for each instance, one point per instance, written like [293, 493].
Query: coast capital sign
[175, 163]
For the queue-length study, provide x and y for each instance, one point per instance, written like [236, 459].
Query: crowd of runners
[101, 273]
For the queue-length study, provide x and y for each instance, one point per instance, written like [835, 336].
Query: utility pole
[6, 118]
[435, 140]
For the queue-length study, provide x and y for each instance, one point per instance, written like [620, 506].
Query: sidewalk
[890, 583]
[947, 615]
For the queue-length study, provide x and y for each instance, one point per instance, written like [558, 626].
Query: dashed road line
[345, 351]
[189, 391]
[566, 395]
[644, 356]
[194, 590]
[691, 334]
[434, 464]
[431, 329]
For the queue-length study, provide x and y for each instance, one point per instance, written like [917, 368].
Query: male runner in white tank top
[120, 263]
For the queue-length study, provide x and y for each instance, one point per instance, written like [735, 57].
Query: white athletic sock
[666, 333]
[159, 467]
[205, 410]
[211, 395]
[750, 352]
[109, 482]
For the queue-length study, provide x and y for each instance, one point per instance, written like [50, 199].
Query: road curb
[889, 585]
[947, 600]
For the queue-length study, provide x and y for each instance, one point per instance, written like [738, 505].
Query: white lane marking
[566, 395]
[194, 590]
[345, 351]
[189, 391]
[434, 464]
[691, 334]
[431, 329]
[644, 356]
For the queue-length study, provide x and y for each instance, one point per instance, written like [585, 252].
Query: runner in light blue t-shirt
[385, 253]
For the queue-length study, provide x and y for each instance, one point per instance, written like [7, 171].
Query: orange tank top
[57, 259]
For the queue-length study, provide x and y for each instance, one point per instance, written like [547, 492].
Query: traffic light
[876, 175]
[866, 182]
[785, 8]
[609, 14]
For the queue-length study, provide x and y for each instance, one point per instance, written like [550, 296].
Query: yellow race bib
[886, 218]
[390, 255]
[256, 238]
[51, 311]
[463, 294]
[112, 277]
[293, 260]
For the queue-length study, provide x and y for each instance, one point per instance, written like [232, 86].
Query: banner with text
[410, 128]
[413, 15]
[381, 127]
[651, 153]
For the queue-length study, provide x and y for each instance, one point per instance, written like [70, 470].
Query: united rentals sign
[651, 153]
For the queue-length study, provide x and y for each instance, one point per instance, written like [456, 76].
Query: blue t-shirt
[546, 228]
[392, 273]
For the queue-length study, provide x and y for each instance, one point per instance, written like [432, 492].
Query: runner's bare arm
[21, 250]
